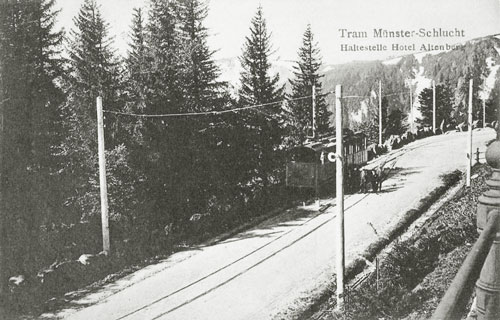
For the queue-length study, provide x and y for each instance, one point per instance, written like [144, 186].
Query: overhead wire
[248, 107]
[212, 112]
[374, 96]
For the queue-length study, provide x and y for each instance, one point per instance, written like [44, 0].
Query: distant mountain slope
[479, 59]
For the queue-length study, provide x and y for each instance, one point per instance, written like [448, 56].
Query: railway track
[173, 301]
[391, 158]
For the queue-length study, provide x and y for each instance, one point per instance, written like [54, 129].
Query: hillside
[479, 59]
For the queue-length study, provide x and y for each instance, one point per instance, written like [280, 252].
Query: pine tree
[258, 87]
[306, 76]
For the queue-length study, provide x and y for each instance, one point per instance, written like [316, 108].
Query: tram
[310, 164]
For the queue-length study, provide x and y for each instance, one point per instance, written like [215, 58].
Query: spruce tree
[94, 71]
[202, 92]
[200, 73]
[137, 63]
[29, 70]
[306, 72]
[166, 140]
[259, 87]
[136, 83]
[444, 106]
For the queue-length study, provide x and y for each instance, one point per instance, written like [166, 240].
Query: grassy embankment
[415, 270]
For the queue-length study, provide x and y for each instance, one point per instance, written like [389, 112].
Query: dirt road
[274, 269]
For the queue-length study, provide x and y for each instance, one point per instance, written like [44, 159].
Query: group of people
[372, 177]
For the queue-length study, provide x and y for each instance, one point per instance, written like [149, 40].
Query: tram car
[308, 165]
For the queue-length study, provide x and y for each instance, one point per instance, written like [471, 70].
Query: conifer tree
[202, 92]
[136, 84]
[29, 69]
[444, 106]
[306, 72]
[200, 73]
[259, 87]
[137, 62]
[94, 71]
[166, 140]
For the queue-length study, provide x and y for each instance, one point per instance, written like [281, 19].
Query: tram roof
[330, 141]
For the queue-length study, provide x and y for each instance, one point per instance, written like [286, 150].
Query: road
[273, 270]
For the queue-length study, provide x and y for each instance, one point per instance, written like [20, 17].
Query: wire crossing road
[274, 269]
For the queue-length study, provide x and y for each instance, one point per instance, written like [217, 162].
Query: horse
[374, 177]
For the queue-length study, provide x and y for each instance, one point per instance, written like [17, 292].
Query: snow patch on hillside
[489, 81]
[361, 114]
[327, 68]
[419, 56]
[419, 83]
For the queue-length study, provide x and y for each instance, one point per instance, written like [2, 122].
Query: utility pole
[411, 107]
[102, 178]
[469, 138]
[3, 274]
[340, 259]
[380, 112]
[434, 106]
[314, 110]
[484, 113]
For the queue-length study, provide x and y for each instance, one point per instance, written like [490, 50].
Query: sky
[228, 22]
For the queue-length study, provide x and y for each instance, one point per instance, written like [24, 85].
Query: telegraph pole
[102, 178]
[411, 108]
[314, 111]
[3, 273]
[380, 112]
[484, 113]
[340, 259]
[469, 138]
[434, 106]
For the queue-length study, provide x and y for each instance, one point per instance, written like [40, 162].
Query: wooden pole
[411, 109]
[434, 106]
[484, 113]
[102, 179]
[340, 257]
[469, 138]
[3, 264]
[314, 110]
[380, 112]
[316, 185]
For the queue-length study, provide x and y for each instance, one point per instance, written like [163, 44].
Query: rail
[453, 304]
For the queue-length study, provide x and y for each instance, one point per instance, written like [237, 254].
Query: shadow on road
[273, 227]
